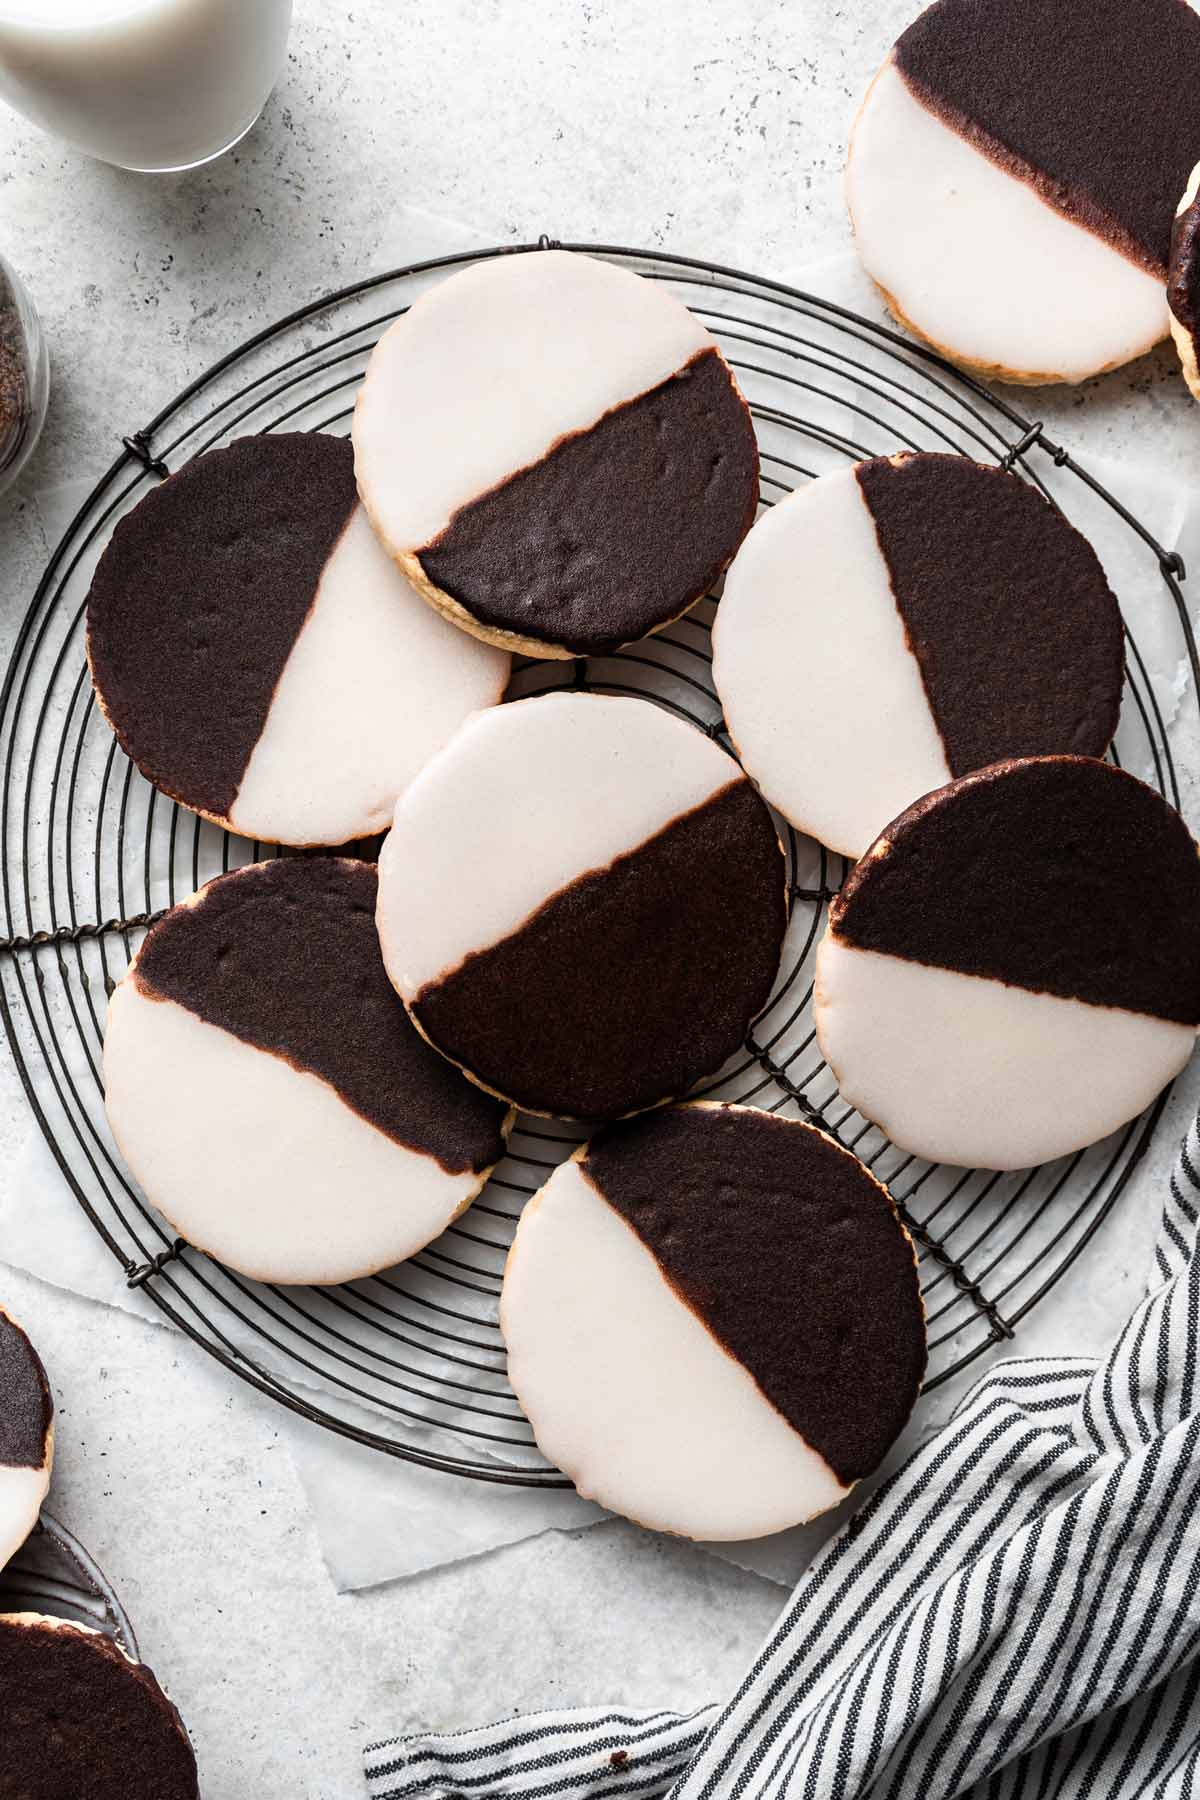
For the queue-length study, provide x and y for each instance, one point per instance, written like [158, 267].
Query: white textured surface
[964, 1070]
[630, 1393]
[820, 690]
[492, 367]
[375, 683]
[977, 261]
[589, 777]
[293, 1185]
[695, 126]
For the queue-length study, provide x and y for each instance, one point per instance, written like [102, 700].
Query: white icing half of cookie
[821, 693]
[487, 371]
[582, 778]
[22, 1492]
[967, 1070]
[375, 683]
[304, 1189]
[628, 1392]
[976, 262]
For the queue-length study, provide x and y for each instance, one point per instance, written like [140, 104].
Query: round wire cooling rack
[52, 1573]
[410, 1362]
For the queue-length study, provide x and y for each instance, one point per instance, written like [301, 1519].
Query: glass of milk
[154, 85]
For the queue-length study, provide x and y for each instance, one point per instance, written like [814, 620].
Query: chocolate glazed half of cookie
[1005, 606]
[238, 958]
[619, 529]
[1034, 873]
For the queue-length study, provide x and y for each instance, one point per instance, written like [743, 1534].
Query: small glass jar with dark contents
[24, 375]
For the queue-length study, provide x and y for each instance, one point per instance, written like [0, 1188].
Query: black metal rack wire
[52, 1573]
[410, 1362]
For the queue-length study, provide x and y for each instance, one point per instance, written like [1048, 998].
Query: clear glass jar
[24, 375]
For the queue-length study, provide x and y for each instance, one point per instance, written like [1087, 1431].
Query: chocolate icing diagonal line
[1062, 875]
[1005, 606]
[790, 1254]
[1092, 106]
[634, 980]
[285, 956]
[619, 527]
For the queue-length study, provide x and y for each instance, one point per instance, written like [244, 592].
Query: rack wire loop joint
[138, 446]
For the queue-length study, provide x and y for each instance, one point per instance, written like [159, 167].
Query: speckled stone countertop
[694, 125]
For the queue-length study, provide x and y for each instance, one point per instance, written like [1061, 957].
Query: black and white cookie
[555, 452]
[26, 1437]
[78, 1718]
[1183, 282]
[582, 904]
[1013, 174]
[897, 624]
[269, 1092]
[1013, 969]
[259, 656]
[713, 1321]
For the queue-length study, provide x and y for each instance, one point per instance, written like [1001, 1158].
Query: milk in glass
[147, 84]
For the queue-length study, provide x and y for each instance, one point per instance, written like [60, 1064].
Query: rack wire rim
[141, 456]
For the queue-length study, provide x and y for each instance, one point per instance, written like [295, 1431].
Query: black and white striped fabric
[1013, 1615]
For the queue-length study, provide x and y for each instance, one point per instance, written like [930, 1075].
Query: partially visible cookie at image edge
[26, 1436]
[78, 1717]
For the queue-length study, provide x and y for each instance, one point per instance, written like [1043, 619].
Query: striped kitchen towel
[1013, 1615]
